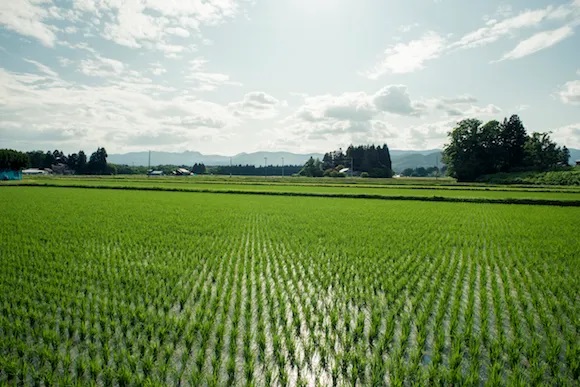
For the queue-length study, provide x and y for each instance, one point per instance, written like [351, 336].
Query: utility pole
[265, 167]
[230, 167]
[149, 165]
[282, 166]
[437, 172]
[351, 166]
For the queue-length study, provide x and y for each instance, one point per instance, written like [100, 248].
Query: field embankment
[564, 196]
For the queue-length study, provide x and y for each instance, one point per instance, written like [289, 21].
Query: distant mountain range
[190, 157]
[401, 159]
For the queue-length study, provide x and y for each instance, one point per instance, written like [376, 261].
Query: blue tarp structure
[10, 175]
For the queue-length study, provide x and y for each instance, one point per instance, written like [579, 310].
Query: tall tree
[312, 168]
[98, 162]
[81, 166]
[513, 139]
[461, 155]
[48, 160]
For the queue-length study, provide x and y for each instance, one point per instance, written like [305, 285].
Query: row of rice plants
[222, 289]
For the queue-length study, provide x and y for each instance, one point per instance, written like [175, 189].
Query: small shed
[8, 174]
[156, 173]
[182, 172]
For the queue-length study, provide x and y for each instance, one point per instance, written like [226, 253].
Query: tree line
[478, 149]
[424, 172]
[12, 160]
[76, 163]
[366, 160]
[252, 170]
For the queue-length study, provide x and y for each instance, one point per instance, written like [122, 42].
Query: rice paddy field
[134, 287]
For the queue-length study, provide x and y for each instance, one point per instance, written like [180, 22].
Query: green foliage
[421, 172]
[565, 176]
[312, 168]
[477, 149]
[253, 170]
[97, 164]
[12, 160]
[542, 154]
[374, 160]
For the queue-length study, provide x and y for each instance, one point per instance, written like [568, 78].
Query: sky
[231, 76]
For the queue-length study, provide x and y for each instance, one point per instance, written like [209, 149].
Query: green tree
[97, 164]
[81, 165]
[312, 168]
[13, 160]
[36, 159]
[565, 156]
[48, 160]
[461, 155]
[513, 139]
[541, 153]
[198, 168]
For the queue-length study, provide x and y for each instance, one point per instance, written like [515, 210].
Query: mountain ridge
[401, 159]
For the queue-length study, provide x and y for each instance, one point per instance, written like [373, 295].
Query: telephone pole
[282, 166]
[149, 165]
[230, 167]
[265, 167]
[351, 167]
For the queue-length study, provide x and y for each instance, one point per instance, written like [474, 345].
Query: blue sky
[229, 76]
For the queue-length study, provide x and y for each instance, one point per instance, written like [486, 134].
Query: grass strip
[524, 201]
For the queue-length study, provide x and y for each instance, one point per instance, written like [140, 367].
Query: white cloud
[154, 24]
[157, 69]
[204, 80]
[210, 81]
[466, 98]
[408, 57]
[396, 100]
[497, 29]
[363, 118]
[116, 113]
[568, 135]
[408, 27]
[178, 31]
[101, 67]
[522, 107]
[488, 110]
[43, 69]
[539, 41]
[347, 106]
[570, 93]
[411, 56]
[463, 106]
[256, 105]
[26, 17]
[425, 136]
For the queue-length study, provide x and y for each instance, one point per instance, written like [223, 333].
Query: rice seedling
[224, 289]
